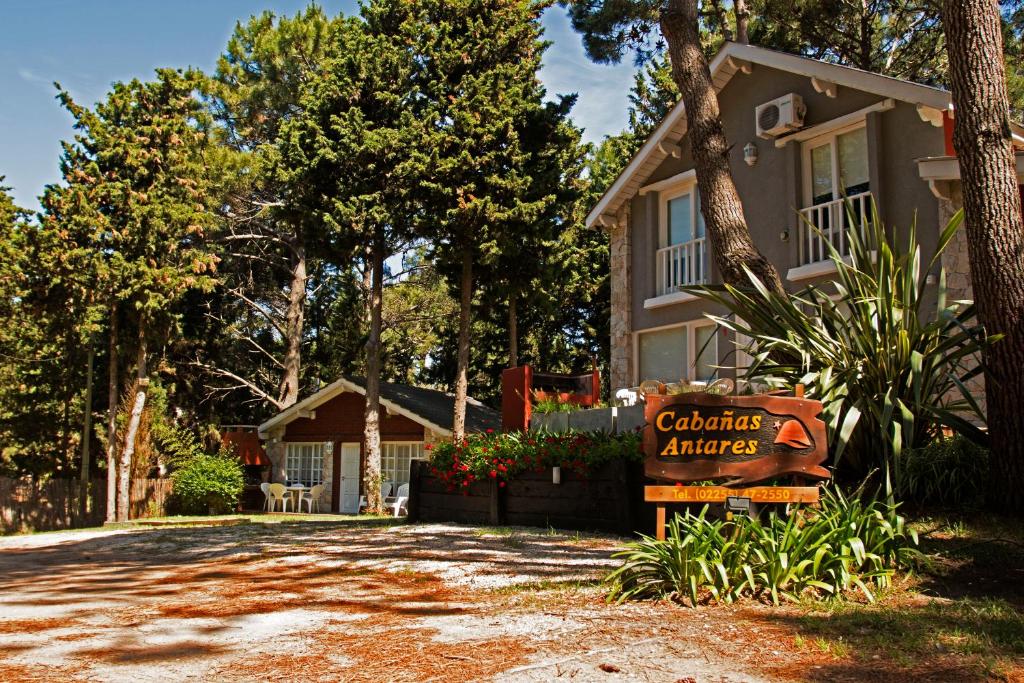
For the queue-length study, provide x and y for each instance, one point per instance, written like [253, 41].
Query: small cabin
[319, 440]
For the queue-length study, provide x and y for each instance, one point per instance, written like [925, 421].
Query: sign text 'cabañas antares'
[743, 439]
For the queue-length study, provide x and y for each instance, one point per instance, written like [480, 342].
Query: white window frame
[691, 346]
[684, 185]
[828, 138]
[417, 452]
[317, 475]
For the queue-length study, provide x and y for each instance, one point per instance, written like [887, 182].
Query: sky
[86, 45]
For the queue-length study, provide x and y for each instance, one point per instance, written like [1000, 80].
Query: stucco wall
[772, 191]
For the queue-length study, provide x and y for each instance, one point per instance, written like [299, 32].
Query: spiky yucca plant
[889, 368]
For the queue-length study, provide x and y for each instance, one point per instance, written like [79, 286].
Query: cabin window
[304, 464]
[395, 461]
[836, 171]
[681, 259]
[664, 354]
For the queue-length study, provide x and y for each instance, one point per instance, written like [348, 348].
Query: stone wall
[621, 305]
[956, 263]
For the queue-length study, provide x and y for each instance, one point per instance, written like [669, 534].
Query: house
[319, 440]
[804, 134]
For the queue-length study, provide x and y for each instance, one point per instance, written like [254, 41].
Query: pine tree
[995, 234]
[359, 148]
[478, 63]
[270, 244]
[135, 205]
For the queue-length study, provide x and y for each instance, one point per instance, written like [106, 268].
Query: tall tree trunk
[288, 392]
[462, 371]
[742, 21]
[723, 212]
[87, 430]
[513, 333]
[128, 448]
[113, 401]
[723, 19]
[371, 430]
[866, 35]
[995, 236]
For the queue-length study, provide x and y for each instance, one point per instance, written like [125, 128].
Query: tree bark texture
[513, 334]
[995, 237]
[720, 204]
[288, 392]
[124, 479]
[371, 430]
[83, 474]
[462, 371]
[113, 387]
[742, 21]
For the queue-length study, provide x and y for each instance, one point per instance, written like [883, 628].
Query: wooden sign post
[739, 440]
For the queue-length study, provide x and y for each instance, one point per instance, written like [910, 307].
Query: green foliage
[209, 484]
[889, 365]
[950, 471]
[900, 38]
[848, 544]
[480, 457]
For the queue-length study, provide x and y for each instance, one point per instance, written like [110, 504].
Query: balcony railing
[682, 265]
[832, 219]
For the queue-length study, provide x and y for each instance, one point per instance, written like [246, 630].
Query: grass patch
[494, 531]
[987, 634]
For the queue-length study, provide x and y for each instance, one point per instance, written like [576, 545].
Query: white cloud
[603, 89]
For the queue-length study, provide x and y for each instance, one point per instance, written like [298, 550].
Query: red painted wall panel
[341, 419]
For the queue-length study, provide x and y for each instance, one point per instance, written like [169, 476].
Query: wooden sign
[718, 494]
[740, 439]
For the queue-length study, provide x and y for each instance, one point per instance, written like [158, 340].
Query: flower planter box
[431, 496]
[549, 422]
[593, 420]
[607, 500]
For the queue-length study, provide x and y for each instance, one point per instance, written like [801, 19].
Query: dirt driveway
[360, 602]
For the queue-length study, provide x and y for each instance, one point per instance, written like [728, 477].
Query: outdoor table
[295, 491]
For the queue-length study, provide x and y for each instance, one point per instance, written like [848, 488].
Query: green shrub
[847, 544]
[501, 456]
[890, 372]
[208, 483]
[950, 472]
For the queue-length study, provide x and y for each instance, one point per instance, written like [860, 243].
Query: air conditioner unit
[781, 115]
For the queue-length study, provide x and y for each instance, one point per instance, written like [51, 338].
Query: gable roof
[735, 57]
[428, 407]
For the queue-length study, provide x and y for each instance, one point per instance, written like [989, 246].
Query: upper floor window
[835, 169]
[682, 255]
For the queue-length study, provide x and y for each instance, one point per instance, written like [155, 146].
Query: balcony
[833, 221]
[682, 265]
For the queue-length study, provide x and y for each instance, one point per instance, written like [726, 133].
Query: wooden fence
[610, 499]
[26, 505]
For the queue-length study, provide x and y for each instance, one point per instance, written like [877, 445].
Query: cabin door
[349, 498]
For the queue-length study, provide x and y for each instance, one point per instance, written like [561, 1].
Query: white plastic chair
[311, 498]
[399, 501]
[278, 492]
[265, 488]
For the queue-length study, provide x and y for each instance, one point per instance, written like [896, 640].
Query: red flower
[465, 483]
[501, 484]
[679, 483]
[429, 446]
[490, 431]
[493, 474]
